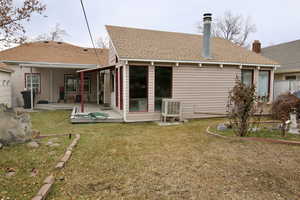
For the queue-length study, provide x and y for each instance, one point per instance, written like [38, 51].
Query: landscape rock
[14, 127]
[221, 127]
[33, 144]
[1, 145]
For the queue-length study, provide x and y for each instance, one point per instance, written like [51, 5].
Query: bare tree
[55, 34]
[102, 43]
[12, 30]
[234, 28]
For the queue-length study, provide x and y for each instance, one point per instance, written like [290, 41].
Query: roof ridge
[280, 44]
[154, 30]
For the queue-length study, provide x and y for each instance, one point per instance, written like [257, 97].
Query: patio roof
[58, 65]
[97, 68]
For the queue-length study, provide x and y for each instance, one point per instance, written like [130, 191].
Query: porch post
[97, 87]
[125, 92]
[51, 86]
[81, 90]
[31, 89]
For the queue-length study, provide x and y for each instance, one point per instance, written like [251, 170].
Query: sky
[276, 21]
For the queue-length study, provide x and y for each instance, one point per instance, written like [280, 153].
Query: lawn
[147, 161]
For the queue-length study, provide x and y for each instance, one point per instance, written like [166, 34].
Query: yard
[146, 161]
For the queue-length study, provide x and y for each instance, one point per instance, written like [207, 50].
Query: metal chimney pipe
[206, 52]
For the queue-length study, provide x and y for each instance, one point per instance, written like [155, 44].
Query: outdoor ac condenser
[171, 108]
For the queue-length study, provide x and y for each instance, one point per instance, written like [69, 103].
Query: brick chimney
[256, 46]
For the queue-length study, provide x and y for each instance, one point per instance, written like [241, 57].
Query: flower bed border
[49, 180]
[275, 141]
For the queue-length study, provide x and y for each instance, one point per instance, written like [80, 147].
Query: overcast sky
[276, 21]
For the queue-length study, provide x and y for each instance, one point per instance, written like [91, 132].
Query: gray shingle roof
[287, 54]
[133, 43]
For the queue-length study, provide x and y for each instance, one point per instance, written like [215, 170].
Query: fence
[285, 86]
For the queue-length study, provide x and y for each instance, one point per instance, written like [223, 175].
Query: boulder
[14, 127]
[221, 127]
[1, 145]
[33, 144]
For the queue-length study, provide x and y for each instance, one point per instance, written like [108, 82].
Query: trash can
[27, 98]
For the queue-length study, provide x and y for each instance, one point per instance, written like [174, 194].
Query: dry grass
[145, 161]
[23, 160]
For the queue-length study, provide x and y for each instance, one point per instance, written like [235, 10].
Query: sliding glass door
[138, 88]
[163, 85]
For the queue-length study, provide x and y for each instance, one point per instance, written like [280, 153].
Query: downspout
[81, 91]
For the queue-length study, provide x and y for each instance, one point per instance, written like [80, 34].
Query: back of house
[196, 70]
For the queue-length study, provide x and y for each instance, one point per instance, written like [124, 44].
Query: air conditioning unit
[171, 108]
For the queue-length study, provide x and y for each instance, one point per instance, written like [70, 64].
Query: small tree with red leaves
[241, 107]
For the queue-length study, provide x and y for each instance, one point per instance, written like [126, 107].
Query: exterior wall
[201, 90]
[282, 76]
[5, 88]
[54, 77]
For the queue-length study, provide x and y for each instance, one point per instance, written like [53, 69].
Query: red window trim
[35, 73]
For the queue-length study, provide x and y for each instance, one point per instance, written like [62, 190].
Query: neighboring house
[288, 56]
[148, 65]
[53, 66]
[287, 77]
[5, 85]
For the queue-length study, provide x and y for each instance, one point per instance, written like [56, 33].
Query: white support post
[51, 86]
[98, 73]
[31, 89]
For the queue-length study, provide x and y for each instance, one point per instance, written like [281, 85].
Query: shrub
[241, 107]
[282, 107]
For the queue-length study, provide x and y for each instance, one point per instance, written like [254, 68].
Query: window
[247, 77]
[264, 84]
[71, 83]
[36, 81]
[290, 78]
[138, 88]
[163, 85]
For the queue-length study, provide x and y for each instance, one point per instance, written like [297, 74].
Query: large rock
[14, 127]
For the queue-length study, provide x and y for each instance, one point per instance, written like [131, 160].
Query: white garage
[5, 85]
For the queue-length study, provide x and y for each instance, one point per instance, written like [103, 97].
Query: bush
[241, 107]
[283, 106]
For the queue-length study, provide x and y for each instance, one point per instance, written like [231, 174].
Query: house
[149, 65]
[287, 77]
[288, 55]
[5, 85]
[49, 68]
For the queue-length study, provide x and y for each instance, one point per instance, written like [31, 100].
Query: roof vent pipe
[206, 52]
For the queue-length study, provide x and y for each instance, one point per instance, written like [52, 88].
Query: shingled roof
[287, 54]
[54, 52]
[5, 68]
[133, 43]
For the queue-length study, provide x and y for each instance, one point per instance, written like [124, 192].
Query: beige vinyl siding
[151, 88]
[203, 89]
[5, 88]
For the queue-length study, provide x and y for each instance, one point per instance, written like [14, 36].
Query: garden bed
[265, 130]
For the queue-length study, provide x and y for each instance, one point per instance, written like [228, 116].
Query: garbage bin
[27, 98]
